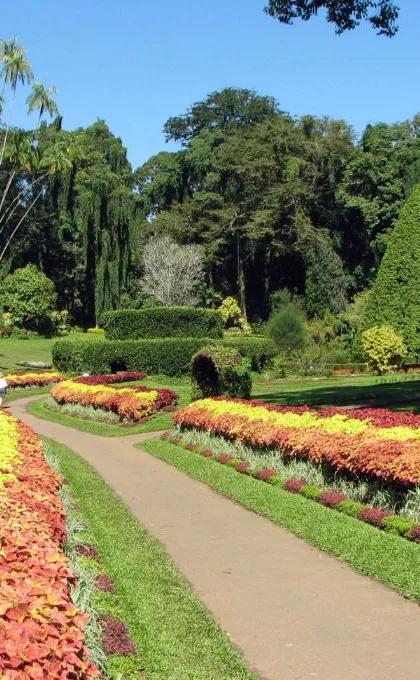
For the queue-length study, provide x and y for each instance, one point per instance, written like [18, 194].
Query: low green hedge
[162, 322]
[168, 356]
[258, 349]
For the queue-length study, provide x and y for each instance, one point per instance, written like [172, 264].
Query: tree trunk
[241, 278]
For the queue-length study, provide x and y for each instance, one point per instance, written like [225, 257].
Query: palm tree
[19, 154]
[15, 69]
[56, 161]
[41, 99]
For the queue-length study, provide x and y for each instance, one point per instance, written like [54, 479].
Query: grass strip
[23, 392]
[174, 633]
[387, 558]
[156, 423]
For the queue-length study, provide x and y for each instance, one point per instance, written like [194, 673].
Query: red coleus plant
[116, 638]
[330, 498]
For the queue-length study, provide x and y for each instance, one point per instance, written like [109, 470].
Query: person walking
[3, 389]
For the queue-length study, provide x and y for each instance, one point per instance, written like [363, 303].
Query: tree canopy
[344, 14]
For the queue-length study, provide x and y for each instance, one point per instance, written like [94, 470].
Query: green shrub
[287, 328]
[259, 350]
[351, 508]
[398, 526]
[395, 296]
[383, 347]
[95, 331]
[275, 480]
[220, 371]
[162, 322]
[127, 667]
[310, 491]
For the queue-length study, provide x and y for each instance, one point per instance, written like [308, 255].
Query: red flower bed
[111, 378]
[41, 631]
[372, 451]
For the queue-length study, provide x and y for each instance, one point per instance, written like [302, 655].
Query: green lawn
[348, 390]
[391, 559]
[15, 349]
[174, 633]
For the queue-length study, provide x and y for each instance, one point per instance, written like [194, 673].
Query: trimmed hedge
[169, 356]
[258, 349]
[162, 322]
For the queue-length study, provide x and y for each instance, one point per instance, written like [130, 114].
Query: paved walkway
[295, 612]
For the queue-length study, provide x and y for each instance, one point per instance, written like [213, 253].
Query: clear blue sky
[134, 63]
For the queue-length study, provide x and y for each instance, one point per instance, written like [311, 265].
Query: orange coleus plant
[41, 631]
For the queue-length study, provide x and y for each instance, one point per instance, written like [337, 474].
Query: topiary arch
[219, 371]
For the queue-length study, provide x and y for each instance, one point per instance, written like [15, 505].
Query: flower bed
[110, 378]
[381, 519]
[41, 631]
[374, 442]
[15, 380]
[129, 403]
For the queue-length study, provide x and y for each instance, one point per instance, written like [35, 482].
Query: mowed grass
[342, 391]
[390, 559]
[175, 635]
[13, 350]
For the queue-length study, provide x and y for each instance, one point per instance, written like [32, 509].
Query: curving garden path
[294, 612]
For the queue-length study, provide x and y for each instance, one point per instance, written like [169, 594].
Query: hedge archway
[219, 371]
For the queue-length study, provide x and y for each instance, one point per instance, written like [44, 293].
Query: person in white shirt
[3, 389]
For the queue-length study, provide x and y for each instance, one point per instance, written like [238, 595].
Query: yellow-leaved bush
[383, 348]
[231, 314]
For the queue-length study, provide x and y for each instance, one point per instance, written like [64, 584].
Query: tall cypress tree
[395, 297]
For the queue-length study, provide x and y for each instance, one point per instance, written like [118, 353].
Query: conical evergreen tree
[395, 297]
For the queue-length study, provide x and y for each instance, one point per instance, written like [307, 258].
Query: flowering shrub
[381, 445]
[33, 379]
[41, 631]
[132, 403]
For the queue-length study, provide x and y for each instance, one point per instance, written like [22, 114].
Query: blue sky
[135, 63]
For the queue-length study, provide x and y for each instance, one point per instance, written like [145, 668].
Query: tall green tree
[395, 296]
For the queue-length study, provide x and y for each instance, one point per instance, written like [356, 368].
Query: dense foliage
[162, 322]
[383, 348]
[395, 299]
[273, 202]
[80, 232]
[29, 297]
[217, 371]
[345, 14]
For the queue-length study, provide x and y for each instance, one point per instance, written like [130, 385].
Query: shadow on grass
[345, 395]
